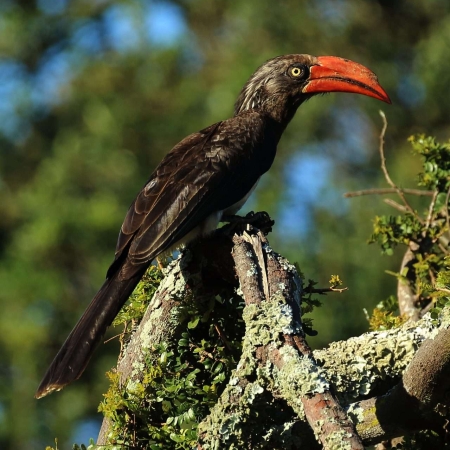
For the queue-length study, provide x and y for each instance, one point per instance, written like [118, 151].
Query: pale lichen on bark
[265, 322]
[355, 367]
[298, 377]
[224, 424]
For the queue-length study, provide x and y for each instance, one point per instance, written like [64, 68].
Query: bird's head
[282, 84]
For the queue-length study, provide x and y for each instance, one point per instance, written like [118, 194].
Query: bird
[205, 177]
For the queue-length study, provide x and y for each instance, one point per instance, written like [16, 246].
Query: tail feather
[76, 351]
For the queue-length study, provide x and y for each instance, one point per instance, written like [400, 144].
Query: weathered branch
[394, 204]
[373, 362]
[322, 410]
[281, 360]
[405, 294]
[420, 401]
[278, 376]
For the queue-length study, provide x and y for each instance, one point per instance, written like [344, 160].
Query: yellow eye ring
[296, 72]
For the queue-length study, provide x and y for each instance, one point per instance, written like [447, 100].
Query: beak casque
[333, 74]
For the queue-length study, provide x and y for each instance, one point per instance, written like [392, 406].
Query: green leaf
[193, 323]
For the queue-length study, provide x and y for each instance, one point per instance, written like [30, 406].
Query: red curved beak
[333, 74]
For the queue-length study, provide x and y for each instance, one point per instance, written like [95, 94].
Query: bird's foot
[260, 220]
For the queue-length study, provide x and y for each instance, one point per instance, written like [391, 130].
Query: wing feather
[204, 173]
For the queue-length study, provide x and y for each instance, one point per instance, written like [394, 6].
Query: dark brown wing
[164, 189]
[207, 172]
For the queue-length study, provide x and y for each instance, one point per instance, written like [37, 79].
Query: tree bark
[356, 392]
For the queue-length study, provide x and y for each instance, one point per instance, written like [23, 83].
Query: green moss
[132, 312]
[182, 381]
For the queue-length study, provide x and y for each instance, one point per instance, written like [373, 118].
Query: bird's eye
[297, 71]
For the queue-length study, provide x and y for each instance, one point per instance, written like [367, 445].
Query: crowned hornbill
[207, 175]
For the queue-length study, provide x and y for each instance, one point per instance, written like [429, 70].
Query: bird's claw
[260, 220]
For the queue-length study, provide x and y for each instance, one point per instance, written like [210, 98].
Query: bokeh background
[94, 92]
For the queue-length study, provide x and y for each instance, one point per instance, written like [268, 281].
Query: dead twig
[443, 249]
[383, 191]
[430, 211]
[113, 337]
[427, 308]
[386, 173]
[447, 291]
[325, 290]
[222, 336]
[395, 205]
[447, 198]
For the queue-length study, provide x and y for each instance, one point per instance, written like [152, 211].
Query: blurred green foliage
[95, 93]
[386, 315]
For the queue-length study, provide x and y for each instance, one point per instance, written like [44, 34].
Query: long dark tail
[76, 351]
